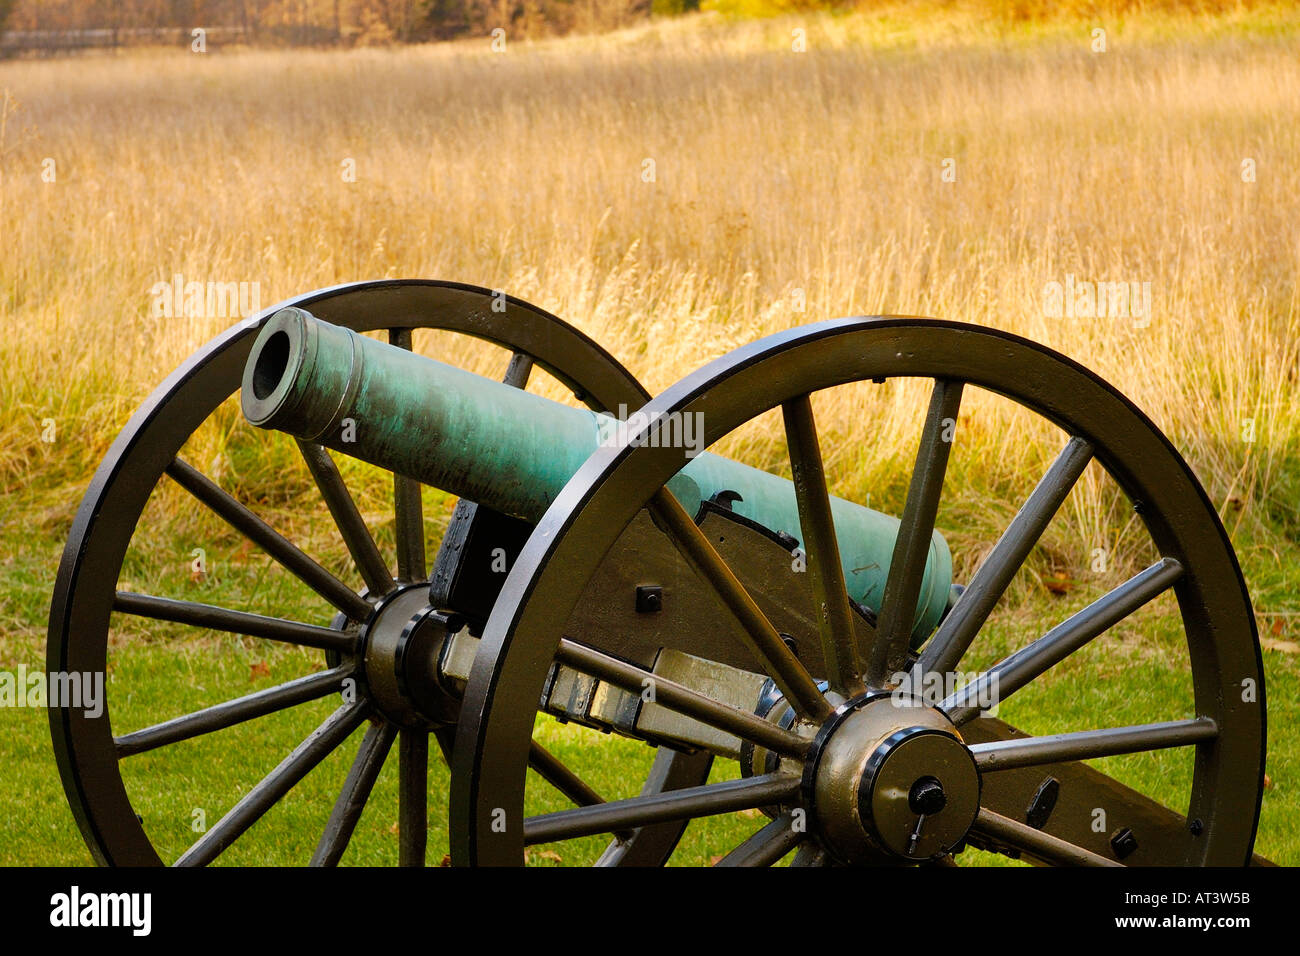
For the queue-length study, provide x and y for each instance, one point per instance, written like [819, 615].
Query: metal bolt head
[1123, 842]
[649, 599]
[927, 796]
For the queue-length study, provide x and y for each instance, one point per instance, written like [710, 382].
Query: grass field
[675, 191]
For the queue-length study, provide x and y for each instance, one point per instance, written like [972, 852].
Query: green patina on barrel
[511, 450]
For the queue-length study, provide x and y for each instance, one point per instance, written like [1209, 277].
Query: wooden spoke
[710, 799]
[412, 796]
[762, 639]
[519, 369]
[950, 642]
[915, 534]
[356, 535]
[1088, 744]
[336, 729]
[271, 541]
[767, 846]
[233, 622]
[629, 677]
[356, 792]
[1036, 843]
[407, 505]
[1060, 642]
[844, 664]
[232, 712]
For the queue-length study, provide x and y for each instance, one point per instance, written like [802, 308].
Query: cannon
[513, 452]
[774, 644]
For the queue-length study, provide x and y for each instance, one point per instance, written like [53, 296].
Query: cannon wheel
[86, 596]
[943, 772]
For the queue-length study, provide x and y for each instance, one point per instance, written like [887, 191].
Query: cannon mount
[724, 643]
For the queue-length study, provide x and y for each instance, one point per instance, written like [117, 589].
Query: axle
[513, 451]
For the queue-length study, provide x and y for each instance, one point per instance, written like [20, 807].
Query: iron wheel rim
[522, 635]
[105, 523]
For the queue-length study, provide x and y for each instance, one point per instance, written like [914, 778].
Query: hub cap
[889, 778]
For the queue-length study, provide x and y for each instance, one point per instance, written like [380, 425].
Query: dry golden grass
[775, 172]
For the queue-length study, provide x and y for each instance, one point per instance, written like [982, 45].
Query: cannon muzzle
[513, 451]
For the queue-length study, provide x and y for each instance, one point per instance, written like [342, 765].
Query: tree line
[37, 24]
[62, 24]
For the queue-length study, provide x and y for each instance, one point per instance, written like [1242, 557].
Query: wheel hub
[889, 778]
[401, 642]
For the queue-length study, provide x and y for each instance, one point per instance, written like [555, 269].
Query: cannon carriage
[768, 639]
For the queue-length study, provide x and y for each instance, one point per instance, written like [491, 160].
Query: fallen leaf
[259, 669]
[1278, 627]
[1282, 647]
[715, 860]
[446, 860]
[1058, 583]
[1268, 781]
[751, 813]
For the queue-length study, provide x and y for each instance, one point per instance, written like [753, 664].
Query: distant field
[675, 191]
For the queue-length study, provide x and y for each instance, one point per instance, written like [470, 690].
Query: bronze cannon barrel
[511, 450]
